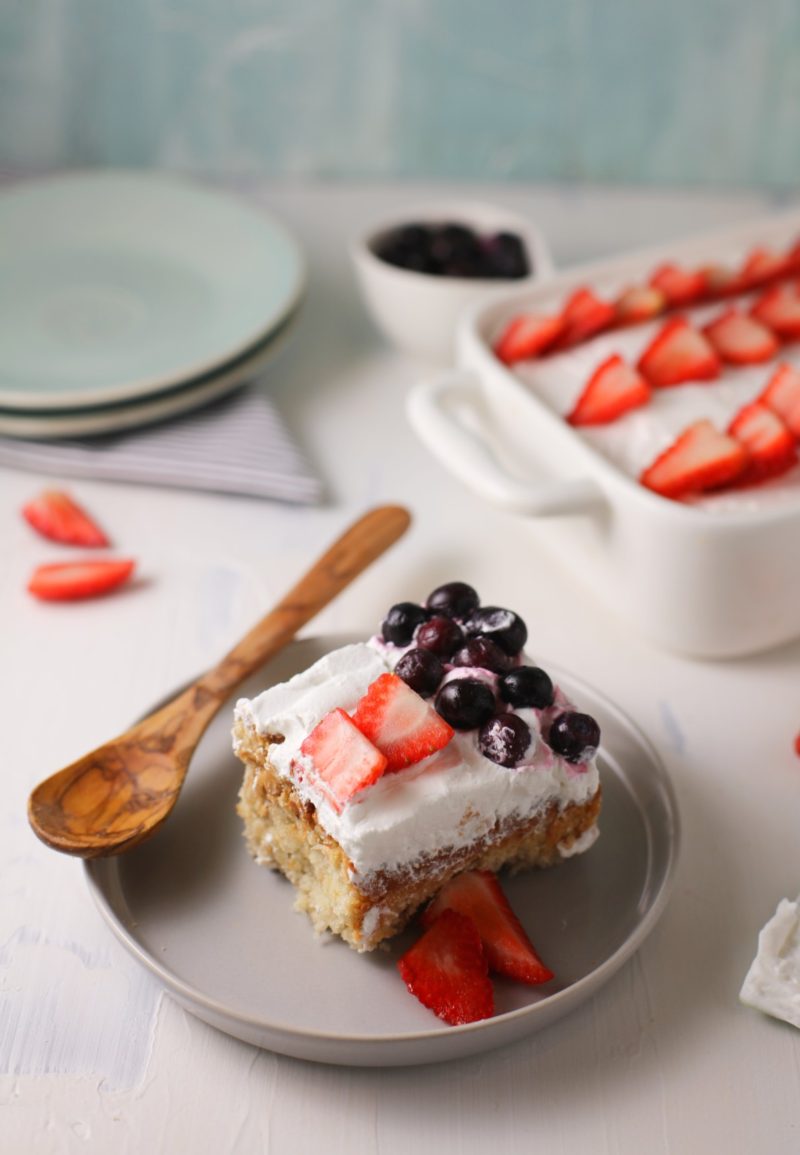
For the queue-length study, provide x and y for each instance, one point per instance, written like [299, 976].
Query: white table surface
[95, 1058]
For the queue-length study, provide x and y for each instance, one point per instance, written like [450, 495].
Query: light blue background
[682, 91]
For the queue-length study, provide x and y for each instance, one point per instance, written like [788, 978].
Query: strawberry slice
[400, 723]
[700, 458]
[57, 517]
[719, 281]
[779, 309]
[762, 265]
[527, 336]
[679, 286]
[678, 353]
[782, 396]
[68, 581]
[639, 303]
[585, 315]
[478, 894]
[613, 389]
[768, 441]
[345, 761]
[741, 340]
[447, 971]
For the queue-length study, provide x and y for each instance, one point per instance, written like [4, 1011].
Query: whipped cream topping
[772, 984]
[633, 441]
[452, 798]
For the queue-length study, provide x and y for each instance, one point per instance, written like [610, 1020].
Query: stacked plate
[126, 298]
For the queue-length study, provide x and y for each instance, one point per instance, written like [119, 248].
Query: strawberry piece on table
[57, 517]
[741, 340]
[679, 286]
[678, 353]
[446, 969]
[527, 336]
[478, 894]
[345, 761]
[639, 303]
[779, 309]
[71, 580]
[700, 458]
[613, 389]
[782, 396]
[763, 265]
[400, 723]
[585, 315]
[768, 441]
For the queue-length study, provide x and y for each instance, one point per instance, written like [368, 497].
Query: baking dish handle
[445, 412]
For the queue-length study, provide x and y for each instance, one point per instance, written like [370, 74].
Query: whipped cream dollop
[772, 984]
[452, 798]
[635, 439]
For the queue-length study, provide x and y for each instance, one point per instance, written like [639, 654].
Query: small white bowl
[418, 311]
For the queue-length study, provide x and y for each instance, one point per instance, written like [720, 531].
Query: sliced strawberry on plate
[447, 970]
[762, 265]
[779, 309]
[527, 336]
[678, 353]
[56, 516]
[585, 315]
[700, 458]
[478, 894]
[639, 303]
[68, 581]
[400, 723]
[782, 396]
[679, 286]
[345, 761]
[741, 340]
[613, 389]
[768, 441]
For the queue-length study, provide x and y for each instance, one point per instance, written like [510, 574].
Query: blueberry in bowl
[418, 271]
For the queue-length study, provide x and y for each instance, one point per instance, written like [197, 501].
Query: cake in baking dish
[389, 766]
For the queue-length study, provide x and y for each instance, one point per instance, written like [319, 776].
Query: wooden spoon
[113, 798]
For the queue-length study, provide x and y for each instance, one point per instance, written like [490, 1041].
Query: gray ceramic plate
[221, 935]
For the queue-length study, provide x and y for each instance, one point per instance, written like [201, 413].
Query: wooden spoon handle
[357, 548]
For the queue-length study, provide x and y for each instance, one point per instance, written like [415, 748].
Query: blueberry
[504, 627]
[526, 686]
[465, 703]
[506, 256]
[408, 248]
[456, 249]
[454, 600]
[504, 739]
[401, 621]
[574, 736]
[442, 635]
[421, 670]
[482, 652]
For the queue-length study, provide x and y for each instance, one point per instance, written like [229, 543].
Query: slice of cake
[389, 766]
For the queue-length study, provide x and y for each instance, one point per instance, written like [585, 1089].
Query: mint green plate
[117, 285]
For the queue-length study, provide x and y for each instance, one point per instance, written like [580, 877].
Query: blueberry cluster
[454, 250]
[453, 629]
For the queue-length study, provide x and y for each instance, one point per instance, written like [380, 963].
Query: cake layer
[283, 830]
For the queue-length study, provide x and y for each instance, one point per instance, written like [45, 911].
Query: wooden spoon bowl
[119, 794]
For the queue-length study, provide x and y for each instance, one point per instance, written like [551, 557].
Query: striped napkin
[236, 445]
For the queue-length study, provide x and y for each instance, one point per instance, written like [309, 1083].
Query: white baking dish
[705, 583]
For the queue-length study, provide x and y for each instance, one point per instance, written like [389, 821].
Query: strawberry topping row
[585, 314]
[759, 443]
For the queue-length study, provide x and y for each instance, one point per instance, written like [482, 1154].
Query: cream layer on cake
[452, 799]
